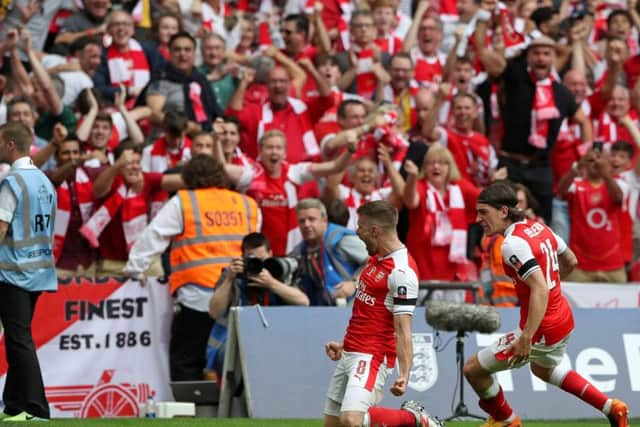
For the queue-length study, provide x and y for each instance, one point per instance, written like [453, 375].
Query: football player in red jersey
[536, 259]
[379, 329]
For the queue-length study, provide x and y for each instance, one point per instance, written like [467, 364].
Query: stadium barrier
[103, 347]
[278, 353]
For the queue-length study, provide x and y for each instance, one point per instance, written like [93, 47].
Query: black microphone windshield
[450, 316]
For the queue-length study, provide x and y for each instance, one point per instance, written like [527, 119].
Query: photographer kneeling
[248, 281]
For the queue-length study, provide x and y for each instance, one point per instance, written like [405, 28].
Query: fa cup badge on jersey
[424, 372]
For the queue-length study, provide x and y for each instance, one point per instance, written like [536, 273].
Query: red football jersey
[595, 226]
[387, 286]
[529, 246]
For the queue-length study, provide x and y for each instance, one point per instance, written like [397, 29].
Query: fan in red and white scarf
[128, 66]
[610, 125]
[543, 109]
[83, 189]
[129, 192]
[363, 178]
[387, 135]
[133, 209]
[163, 154]
[449, 227]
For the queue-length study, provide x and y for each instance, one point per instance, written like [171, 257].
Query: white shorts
[356, 384]
[495, 358]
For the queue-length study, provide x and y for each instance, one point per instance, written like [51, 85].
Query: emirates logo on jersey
[363, 296]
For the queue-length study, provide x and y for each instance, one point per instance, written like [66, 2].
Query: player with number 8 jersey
[379, 330]
[535, 258]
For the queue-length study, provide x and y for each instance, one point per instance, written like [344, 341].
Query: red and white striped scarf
[134, 216]
[543, 109]
[366, 81]
[355, 199]
[309, 141]
[84, 195]
[450, 226]
[129, 68]
[390, 44]
[609, 130]
[162, 158]
[514, 42]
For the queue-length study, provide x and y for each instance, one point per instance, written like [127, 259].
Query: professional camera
[281, 268]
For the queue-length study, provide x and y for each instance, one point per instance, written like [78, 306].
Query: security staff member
[27, 210]
[205, 225]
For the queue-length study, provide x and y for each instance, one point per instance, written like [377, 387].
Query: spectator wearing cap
[535, 105]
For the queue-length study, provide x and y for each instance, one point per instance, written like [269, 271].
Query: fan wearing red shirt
[618, 120]
[379, 331]
[276, 190]
[126, 193]
[536, 259]
[595, 206]
[429, 62]
[292, 116]
[475, 157]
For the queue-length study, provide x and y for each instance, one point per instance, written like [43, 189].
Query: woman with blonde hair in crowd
[437, 235]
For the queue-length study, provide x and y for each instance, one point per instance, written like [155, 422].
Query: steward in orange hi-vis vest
[215, 221]
[497, 288]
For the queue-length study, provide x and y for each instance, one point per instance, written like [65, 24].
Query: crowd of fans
[422, 103]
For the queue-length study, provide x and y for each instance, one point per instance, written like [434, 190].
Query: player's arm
[517, 253]
[404, 345]
[567, 260]
[403, 286]
[538, 300]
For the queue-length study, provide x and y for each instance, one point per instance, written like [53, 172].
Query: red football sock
[575, 384]
[388, 417]
[497, 406]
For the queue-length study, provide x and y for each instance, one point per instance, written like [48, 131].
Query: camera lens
[252, 266]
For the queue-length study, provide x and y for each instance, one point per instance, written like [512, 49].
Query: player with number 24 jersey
[530, 246]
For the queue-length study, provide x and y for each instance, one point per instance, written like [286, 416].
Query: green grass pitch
[215, 422]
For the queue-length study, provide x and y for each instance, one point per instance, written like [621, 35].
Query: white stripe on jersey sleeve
[517, 253]
[403, 290]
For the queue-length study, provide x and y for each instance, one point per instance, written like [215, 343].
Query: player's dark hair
[380, 212]
[255, 240]
[499, 194]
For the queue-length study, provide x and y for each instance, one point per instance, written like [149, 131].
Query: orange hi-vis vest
[215, 221]
[497, 288]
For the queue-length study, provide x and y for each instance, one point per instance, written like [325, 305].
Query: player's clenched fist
[334, 350]
[399, 386]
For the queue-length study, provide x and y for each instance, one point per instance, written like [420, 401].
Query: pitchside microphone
[450, 316]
